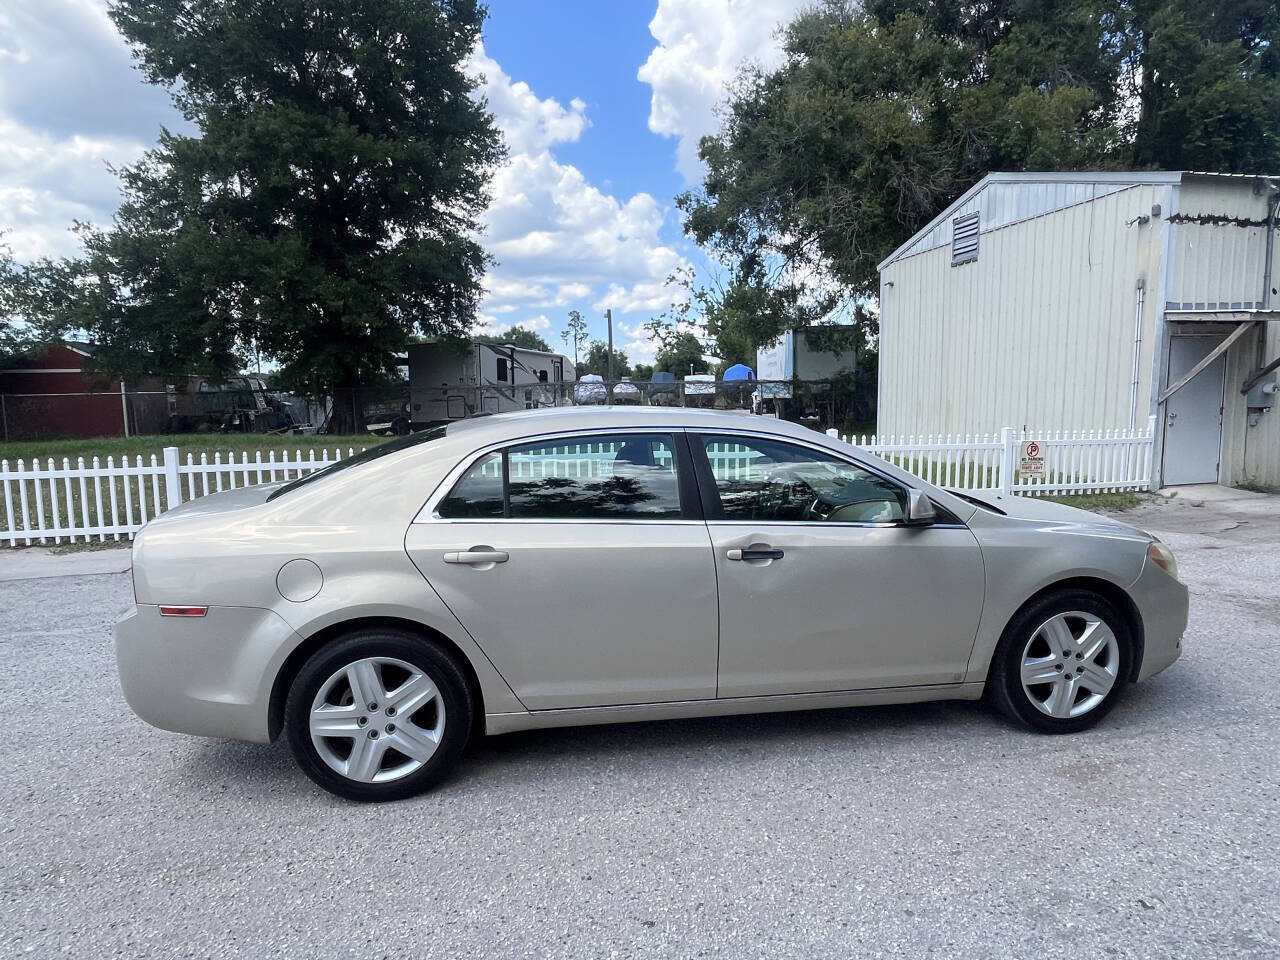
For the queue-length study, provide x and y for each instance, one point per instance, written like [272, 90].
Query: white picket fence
[1075, 461]
[98, 500]
[95, 501]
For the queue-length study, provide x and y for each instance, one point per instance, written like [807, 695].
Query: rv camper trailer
[453, 380]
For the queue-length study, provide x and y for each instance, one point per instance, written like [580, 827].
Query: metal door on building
[1193, 415]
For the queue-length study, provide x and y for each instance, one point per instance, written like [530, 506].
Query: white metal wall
[1039, 331]
[1250, 454]
[1218, 266]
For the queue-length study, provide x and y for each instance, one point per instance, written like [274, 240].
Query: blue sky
[568, 52]
[602, 103]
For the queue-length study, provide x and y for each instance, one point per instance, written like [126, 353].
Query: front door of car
[581, 566]
[822, 585]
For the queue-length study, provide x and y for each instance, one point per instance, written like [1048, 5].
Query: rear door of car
[822, 585]
[580, 565]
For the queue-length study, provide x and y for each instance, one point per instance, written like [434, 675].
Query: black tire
[1004, 680]
[454, 693]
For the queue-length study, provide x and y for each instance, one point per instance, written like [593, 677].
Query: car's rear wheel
[1062, 663]
[378, 715]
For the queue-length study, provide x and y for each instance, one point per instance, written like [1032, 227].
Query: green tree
[882, 112]
[596, 360]
[326, 209]
[519, 336]
[575, 333]
[12, 332]
[33, 301]
[1206, 77]
[682, 354]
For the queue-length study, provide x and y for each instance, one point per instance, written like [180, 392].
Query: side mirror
[920, 512]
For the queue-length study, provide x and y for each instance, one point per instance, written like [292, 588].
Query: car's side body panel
[1019, 564]
[583, 614]
[728, 706]
[847, 607]
[214, 675]
[207, 675]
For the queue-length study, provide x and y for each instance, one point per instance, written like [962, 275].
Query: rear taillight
[183, 611]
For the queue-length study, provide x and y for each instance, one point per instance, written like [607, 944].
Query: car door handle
[477, 556]
[754, 553]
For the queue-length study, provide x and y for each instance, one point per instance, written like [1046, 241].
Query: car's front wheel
[1062, 663]
[378, 715]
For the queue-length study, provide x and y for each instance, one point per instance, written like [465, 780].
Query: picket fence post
[172, 480]
[1009, 448]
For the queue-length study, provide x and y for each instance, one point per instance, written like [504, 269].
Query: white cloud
[701, 44]
[634, 340]
[46, 183]
[561, 241]
[528, 123]
[70, 104]
[651, 296]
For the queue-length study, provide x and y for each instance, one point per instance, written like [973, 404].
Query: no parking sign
[1031, 459]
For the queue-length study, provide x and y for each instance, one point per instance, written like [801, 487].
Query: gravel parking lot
[933, 830]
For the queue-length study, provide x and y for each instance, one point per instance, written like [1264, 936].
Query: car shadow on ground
[517, 760]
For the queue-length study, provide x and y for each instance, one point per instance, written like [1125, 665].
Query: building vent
[964, 239]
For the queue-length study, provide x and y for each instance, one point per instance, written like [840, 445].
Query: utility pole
[608, 315]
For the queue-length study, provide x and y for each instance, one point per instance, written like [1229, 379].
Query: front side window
[502, 369]
[613, 477]
[761, 480]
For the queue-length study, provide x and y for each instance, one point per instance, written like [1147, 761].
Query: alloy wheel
[1070, 664]
[377, 719]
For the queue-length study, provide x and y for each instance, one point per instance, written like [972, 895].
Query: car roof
[523, 423]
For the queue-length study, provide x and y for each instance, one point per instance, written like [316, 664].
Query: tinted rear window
[615, 477]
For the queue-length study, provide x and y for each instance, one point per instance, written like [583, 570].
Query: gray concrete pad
[919, 831]
[33, 563]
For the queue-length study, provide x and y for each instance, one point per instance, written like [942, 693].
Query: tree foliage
[575, 333]
[883, 112]
[11, 326]
[326, 209]
[596, 360]
[519, 336]
[33, 298]
[682, 354]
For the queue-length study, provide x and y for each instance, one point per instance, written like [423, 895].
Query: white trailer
[452, 380]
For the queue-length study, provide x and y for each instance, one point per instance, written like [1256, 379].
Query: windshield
[364, 456]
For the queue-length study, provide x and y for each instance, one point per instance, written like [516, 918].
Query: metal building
[1085, 301]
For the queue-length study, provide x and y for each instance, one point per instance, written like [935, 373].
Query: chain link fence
[845, 404]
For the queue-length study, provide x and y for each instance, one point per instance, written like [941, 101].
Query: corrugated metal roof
[1035, 193]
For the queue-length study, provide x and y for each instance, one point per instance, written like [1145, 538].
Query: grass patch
[193, 443]
[1118, 502]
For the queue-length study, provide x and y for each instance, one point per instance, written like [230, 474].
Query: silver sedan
[606, 565]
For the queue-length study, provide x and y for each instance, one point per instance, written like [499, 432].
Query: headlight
[1162, 556]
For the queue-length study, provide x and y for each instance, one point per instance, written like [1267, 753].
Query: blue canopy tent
[736, 383]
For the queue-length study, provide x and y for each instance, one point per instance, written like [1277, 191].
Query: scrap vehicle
[236, 405]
